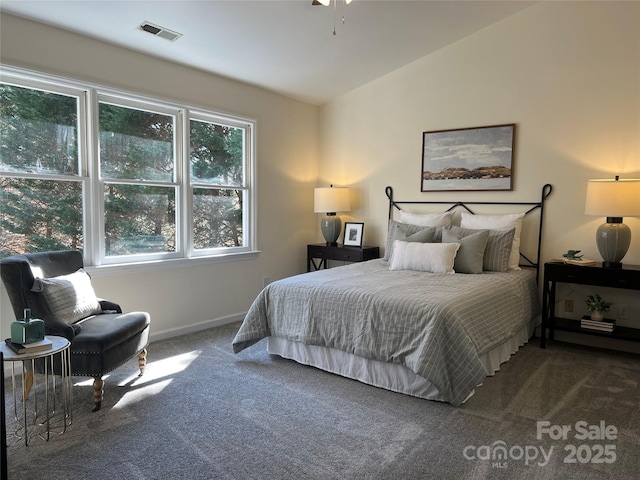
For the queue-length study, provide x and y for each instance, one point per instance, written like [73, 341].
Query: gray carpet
[201, 412]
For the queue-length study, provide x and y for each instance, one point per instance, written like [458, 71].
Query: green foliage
[596, 304]
[38, 131]
[39, 215]
[216, 153]
[136, 144]
[38, 135]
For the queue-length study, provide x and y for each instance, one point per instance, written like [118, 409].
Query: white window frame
[248, 221]
[89, 96]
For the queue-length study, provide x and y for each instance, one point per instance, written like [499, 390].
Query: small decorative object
[353, 234]
[572, 255]
[597, 306]
[27, 330]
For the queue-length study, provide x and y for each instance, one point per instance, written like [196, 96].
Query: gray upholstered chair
[57, 290]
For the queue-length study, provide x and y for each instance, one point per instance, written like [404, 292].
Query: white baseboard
[176, 332]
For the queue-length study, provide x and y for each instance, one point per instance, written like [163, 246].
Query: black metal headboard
[546, 191]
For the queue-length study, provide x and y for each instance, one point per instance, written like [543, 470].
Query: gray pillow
[407, 233]
[469, 258]
[69, 297]
[496, 254]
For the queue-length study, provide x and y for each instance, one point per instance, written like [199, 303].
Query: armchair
[57, 290]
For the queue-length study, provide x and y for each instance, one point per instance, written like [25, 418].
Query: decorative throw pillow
[469, 258]
[407, 233]
[498, 222]
[69, 297]
[426, 219]
[423, 257]
[497, 251]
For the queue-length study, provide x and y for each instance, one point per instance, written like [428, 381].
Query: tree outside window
[41, 197]
[133, 189]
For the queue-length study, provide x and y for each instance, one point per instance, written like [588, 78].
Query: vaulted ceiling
[284, 46]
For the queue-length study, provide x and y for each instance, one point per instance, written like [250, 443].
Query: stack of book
[604, 325]
[32, 347]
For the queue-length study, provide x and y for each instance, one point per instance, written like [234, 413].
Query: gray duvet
[437, 325]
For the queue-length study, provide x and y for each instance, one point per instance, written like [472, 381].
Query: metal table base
[49, 396]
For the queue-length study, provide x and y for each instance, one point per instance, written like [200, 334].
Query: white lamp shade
[613, 198]
[331, 200]
[326, 3]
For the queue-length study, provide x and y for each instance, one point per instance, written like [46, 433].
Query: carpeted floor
[200, 412]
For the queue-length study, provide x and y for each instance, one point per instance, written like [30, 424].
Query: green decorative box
[27, 330]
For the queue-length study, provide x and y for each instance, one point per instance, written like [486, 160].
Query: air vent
[160, 31]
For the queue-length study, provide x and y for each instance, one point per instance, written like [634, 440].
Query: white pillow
[423, 257]
[426, 219]
[69, 297]
[498, 222]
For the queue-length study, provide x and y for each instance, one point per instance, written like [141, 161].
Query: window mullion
[95, 195]
[186, 195]
[250, 223]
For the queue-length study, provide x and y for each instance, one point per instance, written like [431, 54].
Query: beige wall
[567, 73]
[287, 167]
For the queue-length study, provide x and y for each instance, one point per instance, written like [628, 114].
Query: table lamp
[331, 200]
[613, 199]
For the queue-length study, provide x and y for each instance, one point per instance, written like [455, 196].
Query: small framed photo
[353, 234]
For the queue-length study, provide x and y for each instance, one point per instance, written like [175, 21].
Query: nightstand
[627, 277]
[324, 253]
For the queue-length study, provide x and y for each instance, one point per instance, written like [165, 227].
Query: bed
[407, 324]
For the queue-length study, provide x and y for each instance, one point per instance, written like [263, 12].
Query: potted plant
[597, 306]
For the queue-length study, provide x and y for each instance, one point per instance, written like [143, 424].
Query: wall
[568, 75]
[287, 167]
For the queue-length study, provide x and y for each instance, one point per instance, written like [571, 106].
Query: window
[41, 186]
[139, 181]
[124, 178]
[218, 182]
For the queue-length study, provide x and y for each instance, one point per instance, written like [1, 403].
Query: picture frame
[353, 233]
[465, 159]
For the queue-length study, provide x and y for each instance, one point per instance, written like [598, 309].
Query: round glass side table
[56, 406]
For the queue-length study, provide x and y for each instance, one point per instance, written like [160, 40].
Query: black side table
[627, 277]
[324, 253]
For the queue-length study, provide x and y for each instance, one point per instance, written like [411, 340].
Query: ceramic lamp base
[331, 226]
[613, 239]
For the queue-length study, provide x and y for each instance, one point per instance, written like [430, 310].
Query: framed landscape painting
[479, 158]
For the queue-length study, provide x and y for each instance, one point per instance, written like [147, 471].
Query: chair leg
[98, 392]
[28, 383]
[142, 361]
